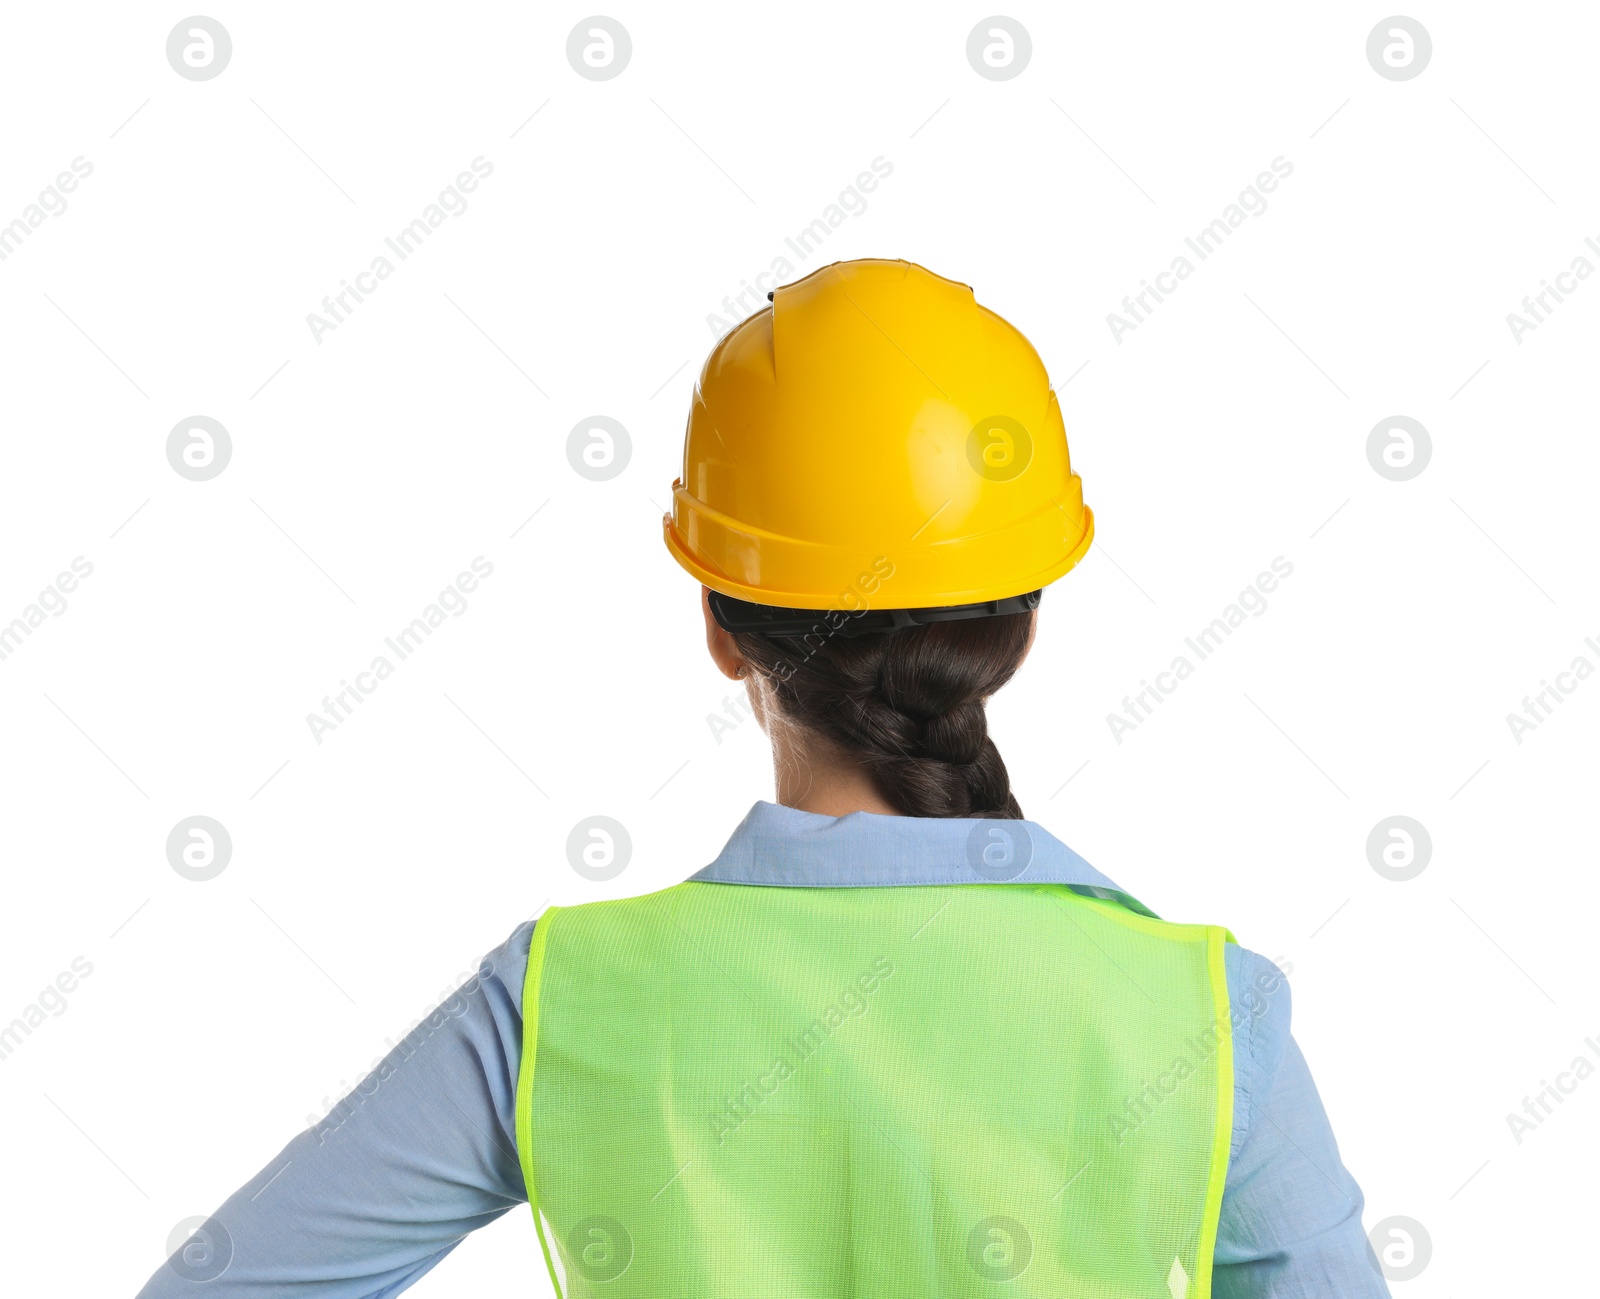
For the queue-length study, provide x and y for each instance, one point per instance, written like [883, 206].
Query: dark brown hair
[908, 704]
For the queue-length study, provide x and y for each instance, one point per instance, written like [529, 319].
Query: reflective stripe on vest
[731, 1091]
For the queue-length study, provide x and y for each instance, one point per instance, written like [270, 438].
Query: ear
[724, 653]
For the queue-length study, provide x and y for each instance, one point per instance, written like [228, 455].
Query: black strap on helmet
[740, 615]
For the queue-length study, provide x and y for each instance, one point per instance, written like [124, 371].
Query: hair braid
[908, 703]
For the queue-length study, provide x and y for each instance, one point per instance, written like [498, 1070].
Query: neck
[813, 777]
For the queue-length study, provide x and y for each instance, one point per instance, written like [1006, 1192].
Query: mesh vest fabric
[730, 1091]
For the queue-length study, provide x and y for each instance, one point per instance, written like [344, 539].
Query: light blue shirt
[423, 1150]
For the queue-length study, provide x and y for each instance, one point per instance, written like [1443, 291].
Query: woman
[895, 1039]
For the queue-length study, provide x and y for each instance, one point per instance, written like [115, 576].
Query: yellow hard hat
[876, 440]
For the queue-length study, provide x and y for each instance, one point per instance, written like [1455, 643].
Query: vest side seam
[1222, 1138]
[530, 1050]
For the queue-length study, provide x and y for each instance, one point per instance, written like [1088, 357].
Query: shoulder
[1259, 1015]
[1257, 986]
[505, 969]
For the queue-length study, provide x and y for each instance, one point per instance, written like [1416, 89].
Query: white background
[370, 872]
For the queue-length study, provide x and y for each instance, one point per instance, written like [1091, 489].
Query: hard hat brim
[847, 599]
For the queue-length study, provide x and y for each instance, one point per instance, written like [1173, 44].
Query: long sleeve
[1291, 1213]
[422, 1152]
[419, 1154]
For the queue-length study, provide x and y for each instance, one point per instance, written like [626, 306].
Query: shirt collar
[783, 846]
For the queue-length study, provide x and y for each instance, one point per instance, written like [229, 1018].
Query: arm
[420, 1153]
[1291, 1213]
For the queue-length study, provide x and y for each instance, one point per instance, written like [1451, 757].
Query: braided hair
[908, 704]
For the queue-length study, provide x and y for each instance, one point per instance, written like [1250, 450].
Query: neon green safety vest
[741, 1092]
